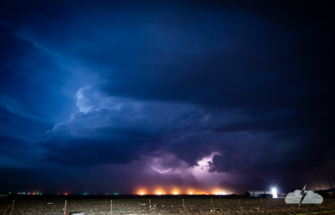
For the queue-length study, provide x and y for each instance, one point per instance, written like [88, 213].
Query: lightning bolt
[303, 195]
[164, 171]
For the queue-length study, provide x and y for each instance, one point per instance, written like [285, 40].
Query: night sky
[228, 95]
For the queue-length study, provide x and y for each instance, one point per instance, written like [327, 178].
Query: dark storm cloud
[12, 144]
[27, 71]
[248, 81]
[118, 130]
[115, 146]
[16, 152]
[18, 126]
[14, 173]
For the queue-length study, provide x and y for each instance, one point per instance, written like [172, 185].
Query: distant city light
[274, 193]
[159, 192]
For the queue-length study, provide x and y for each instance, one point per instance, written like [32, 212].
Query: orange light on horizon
[65, 194]
[176, 191]
[141, 192]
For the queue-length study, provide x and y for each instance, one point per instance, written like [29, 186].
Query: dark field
[38, 205]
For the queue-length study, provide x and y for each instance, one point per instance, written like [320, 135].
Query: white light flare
[274, 193]
[220, 193]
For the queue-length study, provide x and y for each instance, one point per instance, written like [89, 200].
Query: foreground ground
[101, 206]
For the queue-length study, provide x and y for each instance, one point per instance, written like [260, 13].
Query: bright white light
[274, 193]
